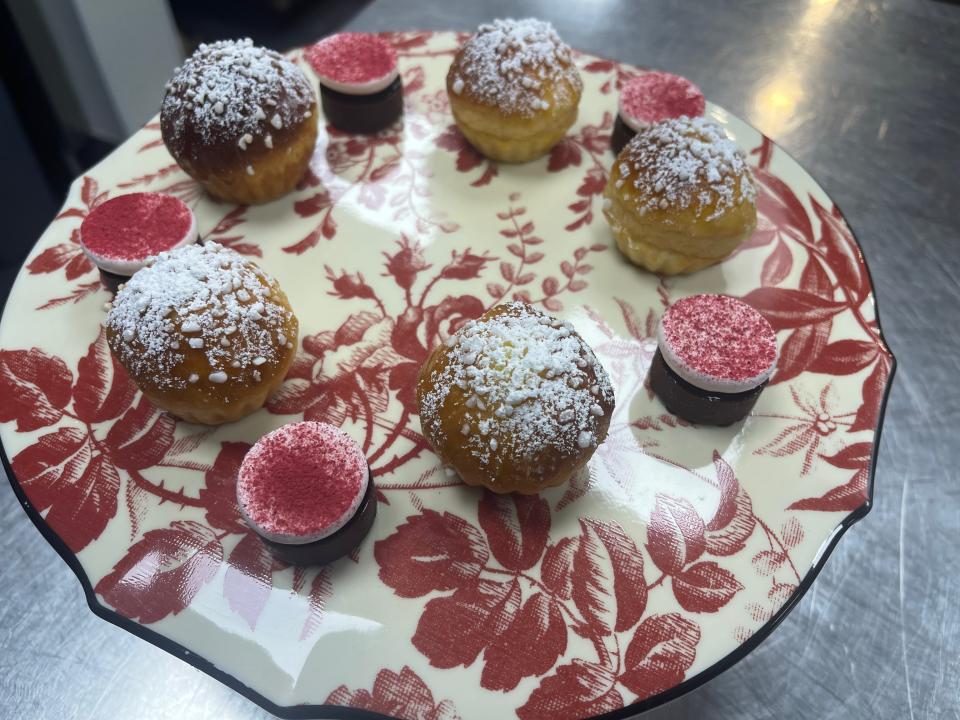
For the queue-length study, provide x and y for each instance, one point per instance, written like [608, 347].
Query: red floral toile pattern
[675, 547]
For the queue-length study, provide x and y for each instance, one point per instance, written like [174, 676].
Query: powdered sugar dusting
[718, 343]
[225, 91]
[302, 482]
[530, 383]
[687, 163]
[507, 61]
[195, 297]
[655, 96]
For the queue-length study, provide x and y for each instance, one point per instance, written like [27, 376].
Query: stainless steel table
[863, 94]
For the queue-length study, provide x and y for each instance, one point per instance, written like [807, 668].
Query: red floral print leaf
[767, 562]
[320, 590]
[141, 437]
[249, 578]
[843, 253]
[730, 538]
[531, 645]
[53, 258]
[413, 78]
[89, 190]
[454, 630]
[60, 473]
[564, 154]
[814, 279]
[608, 584]
[675, 535]
[801, 348]
[295, 396]
[310, 206]
[662, 650]
[634, 325]
[229, 221]
[845, 357]
[517, 528]
[307, 243]
[402, 695]
[556, 571]
[844, 498]
[162, 573]
[787, 309]
[219, 493]
[35, 388]
[781, 206]
[792, 532]
[578, 689]
[871, 394]
[599, 66]
[103, 390]
[729, 486]
[71, 212]
[431, 551]
[76, 295]
[705, 587]
[465, 266]
[78, 266]
[761, 236]
[150, 145]
[852, 457]
[777, 265]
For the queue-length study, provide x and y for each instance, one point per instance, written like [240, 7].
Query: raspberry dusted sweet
[715, 355]
[650, 98]
[515, 401]
[120, 235]
[360, 86]
[307, 491]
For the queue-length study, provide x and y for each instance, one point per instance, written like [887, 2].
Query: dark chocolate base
[328, 549]
[363, 114]
[111, 281]
[699, 406]
[622, 134]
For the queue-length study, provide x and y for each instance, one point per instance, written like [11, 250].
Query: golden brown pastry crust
[536, 446]
[176, 377]
[513, 100]
[241, 120]
[703, 210]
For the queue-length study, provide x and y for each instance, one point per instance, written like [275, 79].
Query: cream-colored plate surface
[663, 564]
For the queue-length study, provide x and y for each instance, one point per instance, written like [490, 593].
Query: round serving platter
[667, 562]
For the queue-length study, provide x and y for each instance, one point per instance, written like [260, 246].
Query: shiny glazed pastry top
[515, 400]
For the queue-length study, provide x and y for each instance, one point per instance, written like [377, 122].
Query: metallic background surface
[862, 94]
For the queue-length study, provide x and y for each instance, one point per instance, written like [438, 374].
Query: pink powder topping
[352, 58]
[719, 337]
[303, 480]
[136, 226]
[656, 96]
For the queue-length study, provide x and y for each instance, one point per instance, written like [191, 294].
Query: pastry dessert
[515, 401]
[307, 491]
[680, 197]
[514, 89]
[241, 120]
[360, 87]
[205, 334]
[650, 98]
[715, 355]
[120, 235]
